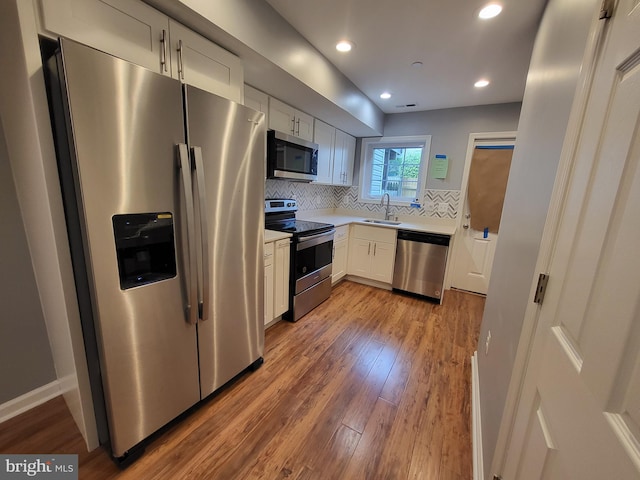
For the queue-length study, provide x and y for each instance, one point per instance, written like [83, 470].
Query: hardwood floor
[370, 385]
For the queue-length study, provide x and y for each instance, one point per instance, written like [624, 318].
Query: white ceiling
[455, 47]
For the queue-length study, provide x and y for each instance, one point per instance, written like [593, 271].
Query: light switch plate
[443, 207]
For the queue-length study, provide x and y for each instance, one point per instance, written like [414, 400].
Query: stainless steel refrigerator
[163, 186]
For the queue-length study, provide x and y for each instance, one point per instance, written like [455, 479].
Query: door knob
[465, 226]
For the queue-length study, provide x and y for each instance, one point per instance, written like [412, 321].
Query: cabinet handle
[369, 251]
[180, 64]
[163, 52]
[374, 249]
[298, 127]
[293, 126]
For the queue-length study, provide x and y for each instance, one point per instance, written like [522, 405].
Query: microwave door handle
[191, 278]
[203, 305]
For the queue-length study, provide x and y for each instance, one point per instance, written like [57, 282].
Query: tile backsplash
[315, 197]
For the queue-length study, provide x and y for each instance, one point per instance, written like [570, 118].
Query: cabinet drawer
[376, 234]
[341, 233]
[268, 254]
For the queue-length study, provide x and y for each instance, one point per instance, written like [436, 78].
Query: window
[394, 165]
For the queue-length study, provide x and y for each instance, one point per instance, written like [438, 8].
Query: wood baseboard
[29, 400]
[476, 436]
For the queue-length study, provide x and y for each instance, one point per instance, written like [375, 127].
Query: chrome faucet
[386, 212]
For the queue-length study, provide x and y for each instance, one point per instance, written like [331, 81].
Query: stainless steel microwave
[291, 157]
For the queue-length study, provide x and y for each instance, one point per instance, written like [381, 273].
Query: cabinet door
[268, 294]
[203, 64]
[340, 250]
[129, 30]
[348, 159]
[304, 126]
[257, 100]
[344, 158]
[382, 260]
[281, 116]
[359, 262]
[268, 282]
[339, 152]
[281, 277]
[324, 136]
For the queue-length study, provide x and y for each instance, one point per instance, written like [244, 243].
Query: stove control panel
[273, 205]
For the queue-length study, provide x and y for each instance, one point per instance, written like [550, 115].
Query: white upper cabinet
[345, 151]
[204, 64]
[286, 119]
[336, 152]
[257, 100]
[127, 29]
[324, 135]
[138, 33]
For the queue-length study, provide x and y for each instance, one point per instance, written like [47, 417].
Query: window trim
[399, 141]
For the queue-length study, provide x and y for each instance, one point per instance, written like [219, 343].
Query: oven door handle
[313, 240]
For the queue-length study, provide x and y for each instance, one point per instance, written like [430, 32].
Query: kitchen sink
[383, 222]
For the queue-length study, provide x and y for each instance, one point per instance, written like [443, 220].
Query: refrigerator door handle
[192, 290]
[203, 306]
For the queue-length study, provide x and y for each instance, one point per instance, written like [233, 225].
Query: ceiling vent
[408, 105]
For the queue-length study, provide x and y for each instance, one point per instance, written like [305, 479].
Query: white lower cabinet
[276, 278]
[281, 277]
[372, 252]
[268, 282]
[340, 253]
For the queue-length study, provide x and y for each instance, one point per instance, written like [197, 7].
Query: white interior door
[475, 249]
[579, 411]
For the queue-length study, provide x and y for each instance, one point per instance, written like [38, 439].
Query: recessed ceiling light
[344, 46]
[481, 83]
[490, 11]
[416, 64]
[385, 95]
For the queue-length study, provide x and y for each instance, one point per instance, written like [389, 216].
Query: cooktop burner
[299, 226]
[280, 216]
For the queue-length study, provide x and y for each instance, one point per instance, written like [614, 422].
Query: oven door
[313, 257]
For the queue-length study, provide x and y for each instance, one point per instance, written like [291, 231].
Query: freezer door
[126, 122]
[232, 142]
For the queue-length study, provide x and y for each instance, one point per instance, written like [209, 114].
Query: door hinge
[606, 9]
[541, 288]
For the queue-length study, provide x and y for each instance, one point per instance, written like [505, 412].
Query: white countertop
[338, 220]
[273, 236]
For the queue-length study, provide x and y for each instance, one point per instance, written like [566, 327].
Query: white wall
[551, 83]
[279, 61]
[29, 142]
[449, 129]
[25, 356]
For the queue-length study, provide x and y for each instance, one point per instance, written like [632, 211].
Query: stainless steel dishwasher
[421, 259]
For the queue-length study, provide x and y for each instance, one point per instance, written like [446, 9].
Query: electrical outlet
[443, 207]
[486, 343]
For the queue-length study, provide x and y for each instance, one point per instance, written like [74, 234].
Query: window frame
[389, 142]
